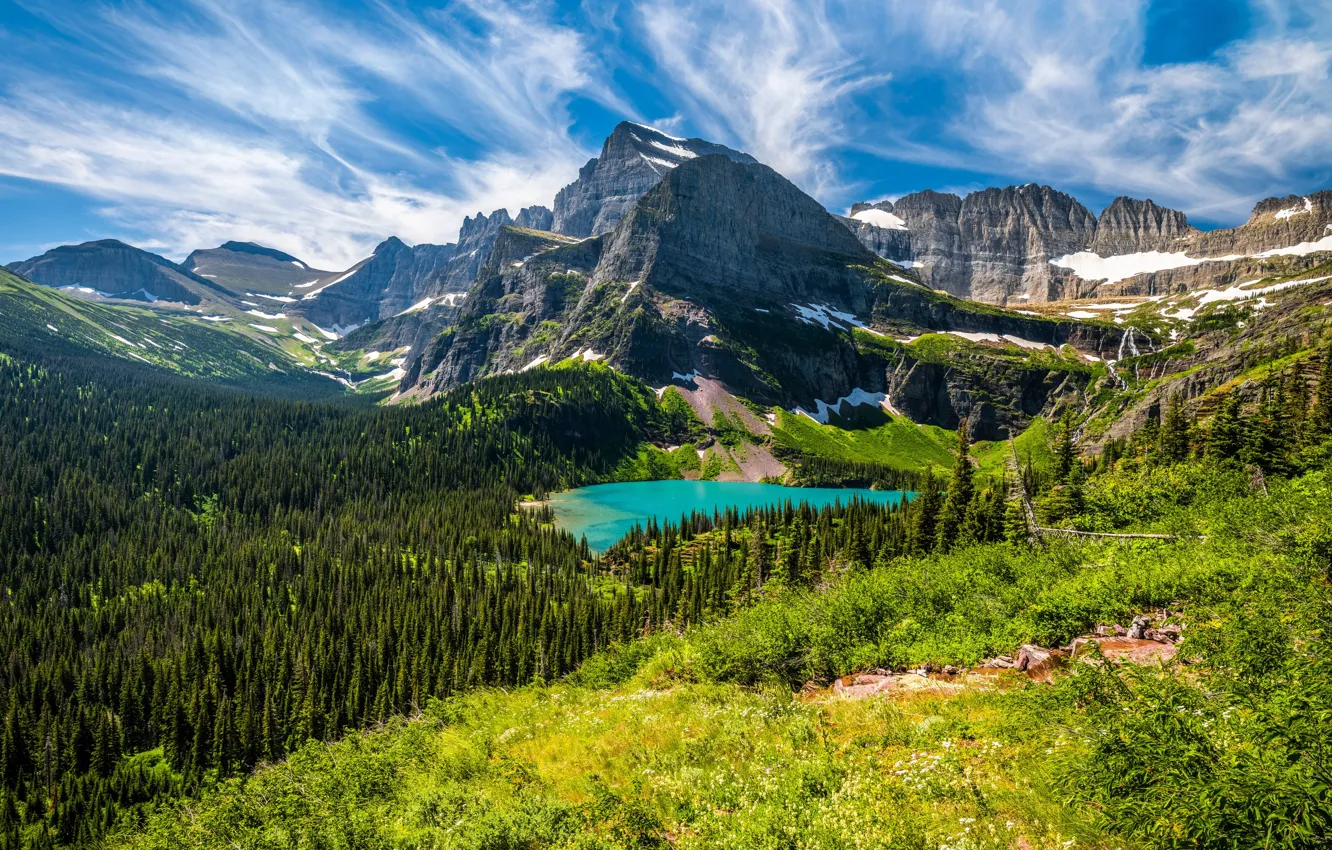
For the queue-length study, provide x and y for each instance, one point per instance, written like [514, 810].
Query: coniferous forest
[199, 580]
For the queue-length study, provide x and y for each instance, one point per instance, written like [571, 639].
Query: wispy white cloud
[263, 121]
[1060, 94]
[773, 76]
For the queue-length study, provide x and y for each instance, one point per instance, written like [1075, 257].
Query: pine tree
[1225, 436]
[1320, 416]
[960, 492]
[1065, 454]
[925, 515]
[1174, 436]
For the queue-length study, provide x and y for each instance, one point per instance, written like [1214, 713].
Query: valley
[481, 543]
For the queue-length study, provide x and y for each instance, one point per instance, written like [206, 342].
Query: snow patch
[298, 264]
[1303, 249]
[214, 318]
[673, 150]
[265, 328]
[1091, 266]
[828, 318]
[536, 362]
[996, 338]
[285, 299]
[881, 218]
[418, 306]
[1081, 314]
[264, 315]
[307, 285]
[761, 310]
[628, 291]
[1291, 212]
[856, 398]
[303, 338]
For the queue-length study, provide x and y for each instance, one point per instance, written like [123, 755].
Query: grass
[897, 442]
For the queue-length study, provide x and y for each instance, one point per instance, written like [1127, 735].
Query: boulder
[1125, 650]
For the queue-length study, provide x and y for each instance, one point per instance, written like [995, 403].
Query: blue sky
[322, 127]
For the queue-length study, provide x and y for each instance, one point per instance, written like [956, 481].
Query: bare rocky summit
[633, 159]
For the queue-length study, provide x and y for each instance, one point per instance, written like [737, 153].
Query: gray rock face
[996, 245]
[1129, 226]
[1274, 223]
[475, 240]
[993, 246]
[633, 159]
[1012, 234]
[388, 282]
[246, 267]
[535, 218]
[116, 270]
[728, 269]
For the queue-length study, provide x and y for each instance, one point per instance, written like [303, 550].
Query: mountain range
[681, 261]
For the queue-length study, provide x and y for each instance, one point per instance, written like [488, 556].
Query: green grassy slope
[893, 441]
[45, 321]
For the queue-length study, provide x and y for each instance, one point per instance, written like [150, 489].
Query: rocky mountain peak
[1130, 226]
[633, 159]
[257, 250]
[114, 269]
[535, 218]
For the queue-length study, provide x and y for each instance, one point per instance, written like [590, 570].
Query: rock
[1039, 663]
[1130, 226]
[386, 283]
[633, 159]
[116, 270]
[1138, 628]
[862, 685]
[1127, 650]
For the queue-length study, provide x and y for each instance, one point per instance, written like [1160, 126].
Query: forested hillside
[207, 578]
[725, 734]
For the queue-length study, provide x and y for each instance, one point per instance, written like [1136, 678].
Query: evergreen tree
[1320, 416]
[960, 492]
[1174, 437]
[1226, 433]
[1065, 453]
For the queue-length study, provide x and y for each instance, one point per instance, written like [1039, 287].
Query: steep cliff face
[390, 281]
[1032, 243]
[1275, 223]
[993, 246]
[115, 270]
[1012, 234]
[633, 159]
[475, 240]
[723, 269]
[1129, 226]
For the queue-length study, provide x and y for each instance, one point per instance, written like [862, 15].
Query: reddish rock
[861, 685]
[1126, 650]
[1038, 662]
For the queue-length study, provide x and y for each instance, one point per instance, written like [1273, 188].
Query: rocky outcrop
[1130, 226]
[475, 240]
[114, 270]
[535, 218]
[1275, 223]
[243, 267]
[632, 161]
[993, 246]
[390, 281]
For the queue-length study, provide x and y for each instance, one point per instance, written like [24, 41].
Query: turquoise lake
[606, 512]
